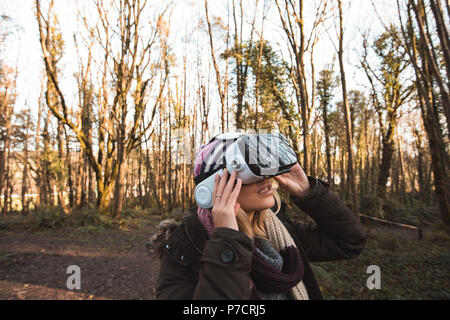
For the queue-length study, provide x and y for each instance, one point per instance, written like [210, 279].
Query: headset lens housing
[267, 154]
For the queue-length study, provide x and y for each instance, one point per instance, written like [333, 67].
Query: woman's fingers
[216, 184]
[235, 194]
[222, 183]
[225, 207]
[229, 187]
[237, 206]
[280, 180]
[295, 181]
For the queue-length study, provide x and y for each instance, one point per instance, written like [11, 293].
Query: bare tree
[390, 90]
[128, 71]
[292, 20]
[420, 51]
[325, 86]
[8, 95]
[350, 165]
[220, 87]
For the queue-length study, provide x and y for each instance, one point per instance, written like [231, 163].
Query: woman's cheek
[246, 198]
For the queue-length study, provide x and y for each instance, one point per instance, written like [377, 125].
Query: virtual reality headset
[253, 156]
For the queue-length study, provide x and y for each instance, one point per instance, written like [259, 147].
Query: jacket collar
[194, 230]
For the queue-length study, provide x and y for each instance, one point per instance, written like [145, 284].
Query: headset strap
[205, 175]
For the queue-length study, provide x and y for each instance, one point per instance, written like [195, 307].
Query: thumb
[280, 180]
[237, 206]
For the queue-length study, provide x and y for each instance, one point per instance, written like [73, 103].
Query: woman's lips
[266, 190]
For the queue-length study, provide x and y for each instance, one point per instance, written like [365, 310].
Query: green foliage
[415, 212]
[390, 51]
[52, 217]
[372, 205]
[410, 269]
[135, 212]
[87, 220]
[325, 86]
[56, 166]
[267, 81]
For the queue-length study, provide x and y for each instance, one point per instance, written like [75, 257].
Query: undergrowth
[410, 268]
[86, 220]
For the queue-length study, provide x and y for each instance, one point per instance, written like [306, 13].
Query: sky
[23, 48]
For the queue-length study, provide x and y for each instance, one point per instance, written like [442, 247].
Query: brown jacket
[195, 267]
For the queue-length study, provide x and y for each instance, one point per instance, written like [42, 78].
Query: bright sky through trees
[23, 46]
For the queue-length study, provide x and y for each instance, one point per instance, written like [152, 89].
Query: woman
[242, 249]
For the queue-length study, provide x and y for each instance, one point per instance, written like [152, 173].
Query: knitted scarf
[266, 278]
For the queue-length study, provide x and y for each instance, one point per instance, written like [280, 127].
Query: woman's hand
[295, 181]
[225, 195]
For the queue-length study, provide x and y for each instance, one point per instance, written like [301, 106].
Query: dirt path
[114, 264]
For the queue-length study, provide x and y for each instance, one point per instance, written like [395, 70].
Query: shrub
[372, 205]
[49, 218]
[415, 213]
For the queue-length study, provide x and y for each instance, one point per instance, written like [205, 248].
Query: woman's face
[256, 196]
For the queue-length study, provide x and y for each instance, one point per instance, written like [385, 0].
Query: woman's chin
[266, 202]
[271, 203]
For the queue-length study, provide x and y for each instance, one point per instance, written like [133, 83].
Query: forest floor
[115, 264]
[410, 268]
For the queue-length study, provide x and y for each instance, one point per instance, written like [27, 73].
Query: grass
[410, 268]
[87, 220]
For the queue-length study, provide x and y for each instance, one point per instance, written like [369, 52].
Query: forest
[130, 90]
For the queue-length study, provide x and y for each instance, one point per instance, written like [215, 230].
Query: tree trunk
[420, 166]
[439, 171]
[25, 165]
[348, 122]
[216, 68]
[327, 143]
[7, 194]
[386, 158]
[79, 180]
[4, 175]
[343, 181]
[69, 172]
[104, 195]
[402, 171]
[418, 50]
[119, 181]
[428, 51]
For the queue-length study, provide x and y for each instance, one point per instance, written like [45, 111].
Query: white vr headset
[253, 156]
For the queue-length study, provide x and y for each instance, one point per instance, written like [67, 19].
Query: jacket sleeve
[175, 281]
[224, 272]
[335, 233]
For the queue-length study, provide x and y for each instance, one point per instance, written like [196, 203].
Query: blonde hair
[254, 228]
